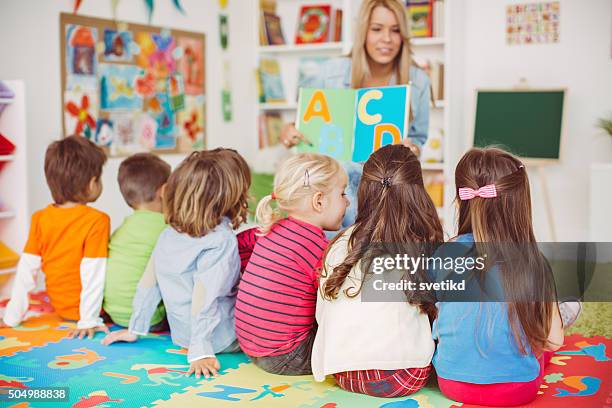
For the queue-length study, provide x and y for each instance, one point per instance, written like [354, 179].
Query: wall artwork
[533, 23]
[131, 87]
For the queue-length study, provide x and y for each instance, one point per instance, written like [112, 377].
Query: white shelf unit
[288, 55]
[14, 219]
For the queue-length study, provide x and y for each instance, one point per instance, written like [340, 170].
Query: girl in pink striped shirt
[275, 308]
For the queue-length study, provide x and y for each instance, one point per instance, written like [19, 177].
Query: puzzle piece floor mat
[149, 373]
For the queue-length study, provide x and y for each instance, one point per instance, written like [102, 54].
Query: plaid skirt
[384, 383]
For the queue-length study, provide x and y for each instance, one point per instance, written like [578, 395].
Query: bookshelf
[13, 181]
[434, 49]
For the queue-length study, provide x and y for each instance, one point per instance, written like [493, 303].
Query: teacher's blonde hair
[360, 66]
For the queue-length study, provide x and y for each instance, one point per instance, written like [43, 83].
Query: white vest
[355, 335]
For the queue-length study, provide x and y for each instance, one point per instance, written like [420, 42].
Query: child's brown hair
[70, 164]
[141, 176]
[394, 208]
[505, 219]
[204, 188]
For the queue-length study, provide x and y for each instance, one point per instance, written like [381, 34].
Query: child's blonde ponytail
[266, 215]
[299, 176]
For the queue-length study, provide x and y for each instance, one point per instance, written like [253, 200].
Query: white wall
[30, 50]
[580, 62]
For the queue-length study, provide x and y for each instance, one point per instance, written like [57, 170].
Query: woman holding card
[381, 56]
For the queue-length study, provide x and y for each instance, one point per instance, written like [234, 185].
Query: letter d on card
[381, 112]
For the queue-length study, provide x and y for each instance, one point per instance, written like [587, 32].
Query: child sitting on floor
[277, 294]
[68, 240]
[195, 265]
[493, 353]
[140, 178]
[382, 347]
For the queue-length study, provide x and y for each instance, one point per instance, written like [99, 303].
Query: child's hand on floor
[119, 335]
[80, 333]
[205, 366]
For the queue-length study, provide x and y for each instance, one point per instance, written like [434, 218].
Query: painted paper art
[192, 65]
[533, 23]
[80, 50]
[191, 123]
[80, 112]
[132, 87]
[117, 87]
[176, 90]
[117, 45]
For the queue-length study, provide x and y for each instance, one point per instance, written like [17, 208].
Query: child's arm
[25, 278]
[93, 272]
[25, 282]
[218, 269]
[145, 303]
[555, 336]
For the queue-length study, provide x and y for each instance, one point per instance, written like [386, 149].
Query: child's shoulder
[96, 214]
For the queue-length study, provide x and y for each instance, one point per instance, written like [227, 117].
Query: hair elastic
[386, 182]
[273, 195]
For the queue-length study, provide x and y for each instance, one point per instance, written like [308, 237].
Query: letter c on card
[362, 111]
[379, 132]
[322, 111]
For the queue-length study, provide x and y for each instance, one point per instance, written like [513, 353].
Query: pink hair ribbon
[488, 191]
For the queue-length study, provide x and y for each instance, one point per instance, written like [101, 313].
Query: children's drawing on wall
[117, 87]
[117, 45]
[191, 122]
[80, 50]
[533, 23]
[223, 30]
[192, 65]
[226, 93]
[131, 87]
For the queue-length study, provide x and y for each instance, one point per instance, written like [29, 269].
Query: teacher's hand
[290, 136]
[415, 148]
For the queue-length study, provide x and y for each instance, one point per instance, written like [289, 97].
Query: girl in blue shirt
[195, 266]
[493, 353]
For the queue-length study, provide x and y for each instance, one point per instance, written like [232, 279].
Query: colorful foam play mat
[150, 373]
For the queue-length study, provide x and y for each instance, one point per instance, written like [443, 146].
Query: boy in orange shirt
[68, 240]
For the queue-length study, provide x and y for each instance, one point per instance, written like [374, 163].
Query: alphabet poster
[131, 87]
[350, 124]
[533, 23]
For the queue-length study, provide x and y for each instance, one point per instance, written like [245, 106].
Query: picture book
[271, 81]
[273, 30]
[420, 19]
[313, 24]
[351, 124]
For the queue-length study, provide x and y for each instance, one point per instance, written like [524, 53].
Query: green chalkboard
[526, 123]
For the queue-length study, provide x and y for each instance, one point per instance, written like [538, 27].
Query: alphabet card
[350, 124]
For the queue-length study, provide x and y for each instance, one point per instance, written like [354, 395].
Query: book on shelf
[261, 98]
[271, 81]
[270, 126]
[350, 124]
[337, 26]
[420, 19]
[313, 24]
[310, 72]
[272, 29]
[435, 71]
[268, 5]
[432, 151]
[438, 18]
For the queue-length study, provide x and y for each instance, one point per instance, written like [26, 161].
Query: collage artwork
[133, 88]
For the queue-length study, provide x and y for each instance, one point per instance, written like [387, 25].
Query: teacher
[381, 56]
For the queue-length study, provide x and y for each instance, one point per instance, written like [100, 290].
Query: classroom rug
[150, 373]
